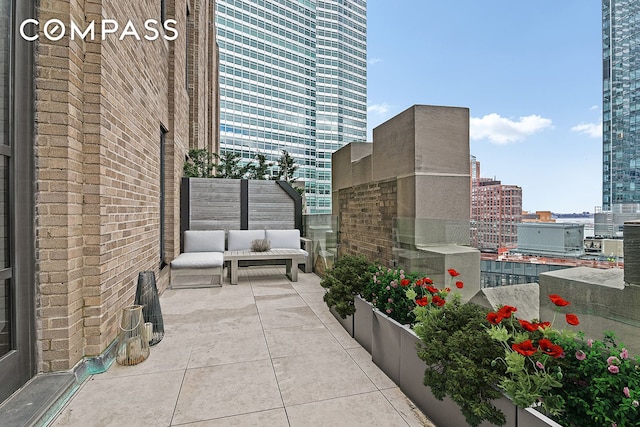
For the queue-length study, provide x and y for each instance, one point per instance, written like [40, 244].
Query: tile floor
[266, 352]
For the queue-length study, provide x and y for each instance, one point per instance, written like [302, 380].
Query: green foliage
[230, 166]
[286, 168]
[347, 278]
[261, 170]
[458, 353]
[387, 293]
[530, 379]
[199, 164]
[593, 391]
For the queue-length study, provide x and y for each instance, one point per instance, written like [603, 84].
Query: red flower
[433, 290]
[525, 348]
[531, 327]
[558, 300]
[427, 281]
[506, 310]
[459, 285]
[544, 325]
[572, 319]
[494, 318]
[405, 282]
[550, 348]
[422, 301]
[438, 301]
[453, 272]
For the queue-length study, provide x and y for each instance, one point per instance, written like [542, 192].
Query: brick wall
[366, 215]
[100, 106]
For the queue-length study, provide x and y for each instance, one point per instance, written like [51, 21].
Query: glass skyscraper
[621, 103]
[293, 77]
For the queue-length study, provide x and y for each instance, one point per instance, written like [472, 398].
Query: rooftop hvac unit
[631, 250]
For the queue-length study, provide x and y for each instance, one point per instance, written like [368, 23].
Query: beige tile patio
[272, 289]
[363, 359]
[406, 408]
[285, 317]
[229, 347]
[366, 410]
[319, 376]
[225, 390]
[298, 340]
[270, 418]
[137, 400]
[265, 352]
[269, 302]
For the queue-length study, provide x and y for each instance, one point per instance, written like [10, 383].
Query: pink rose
[624, 354]
[613, 369]
[626, 391]
[580, 355]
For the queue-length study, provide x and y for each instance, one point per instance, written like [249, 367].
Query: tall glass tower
[293, 77]
[621, 104]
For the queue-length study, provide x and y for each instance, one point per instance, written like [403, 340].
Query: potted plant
[579, 382]
[457, 352]
[346, 278]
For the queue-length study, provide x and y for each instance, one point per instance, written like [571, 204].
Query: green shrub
[347, 278]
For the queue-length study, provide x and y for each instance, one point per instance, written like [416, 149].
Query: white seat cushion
[204, 241]
[284, 239]
[239, 240]
[198, 260]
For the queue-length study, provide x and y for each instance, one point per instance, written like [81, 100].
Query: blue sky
[529, 71]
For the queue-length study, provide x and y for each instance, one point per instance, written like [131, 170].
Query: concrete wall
[409, 188]
[600, 299]
[426, 149]
[100, 107]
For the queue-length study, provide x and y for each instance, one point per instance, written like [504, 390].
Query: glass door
[16, 206]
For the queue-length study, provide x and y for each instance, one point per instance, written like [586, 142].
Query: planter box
[442, 412]
[385, 345]
[393, 349]
[347, 323]
[363, 323]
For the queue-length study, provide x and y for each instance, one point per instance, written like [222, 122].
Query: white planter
[347, 323]
[363, 323]
[393, 349]
[385, 345]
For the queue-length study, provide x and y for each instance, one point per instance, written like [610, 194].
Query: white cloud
[593, 130]
[594, 107]
[373, 61]
[501, 130]
[380, 109]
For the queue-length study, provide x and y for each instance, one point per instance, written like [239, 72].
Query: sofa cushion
[238, 240]
[284, 239]
[198, 260]
[204, 241]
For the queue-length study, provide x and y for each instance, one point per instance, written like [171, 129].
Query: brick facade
[366, 214]
[100, 108]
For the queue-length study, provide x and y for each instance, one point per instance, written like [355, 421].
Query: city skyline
[531, 79]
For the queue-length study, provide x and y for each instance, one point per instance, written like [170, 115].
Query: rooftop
[264, 352]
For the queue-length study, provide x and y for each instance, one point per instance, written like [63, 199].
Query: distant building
[293, 76]
[496, 210]
[538, 216]
[610, 224]
[620, 113]
[551, 239]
